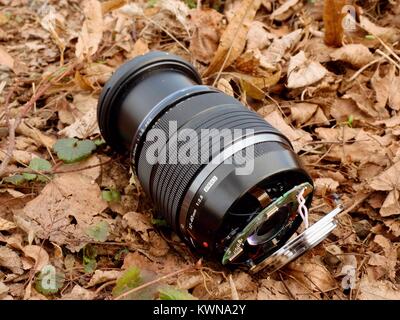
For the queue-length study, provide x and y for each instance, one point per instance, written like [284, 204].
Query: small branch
[145, 285]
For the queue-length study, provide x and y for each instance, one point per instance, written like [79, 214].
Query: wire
[302, 209]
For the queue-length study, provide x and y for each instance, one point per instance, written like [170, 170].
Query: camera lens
[155, 107]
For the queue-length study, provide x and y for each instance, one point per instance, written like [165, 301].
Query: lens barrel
[206, 202]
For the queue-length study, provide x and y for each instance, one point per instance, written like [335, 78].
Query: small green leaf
[16, 179]
[192, 4]
[89, 259]
[73, 150]
[99, 232]
[130, 279]
[37, 164]
[170, 293]
[159, 222]
[111, 195]
[100, 141]
[350, 121]
[152, 3]
[370, 37]
[121, 254]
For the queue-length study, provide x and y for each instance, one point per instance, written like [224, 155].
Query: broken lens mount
[206, 202]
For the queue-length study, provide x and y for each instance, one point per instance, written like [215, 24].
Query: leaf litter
[68, 202]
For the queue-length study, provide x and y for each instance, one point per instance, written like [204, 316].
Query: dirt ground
[84, 230]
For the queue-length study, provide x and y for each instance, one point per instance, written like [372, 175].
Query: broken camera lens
[221, 176]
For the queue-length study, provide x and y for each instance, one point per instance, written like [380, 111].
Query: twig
[379, 51]
[362, 69]
[25, 109]
[172, 274]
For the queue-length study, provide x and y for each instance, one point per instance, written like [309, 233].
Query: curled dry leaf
[6, 225]
[79, 293]
[100, 276]
[276, 15]
[92, 29]
[298, 137]
[357, 55]
[257, 37]
[3, 290]
[385, 33]
[389, 180]
[390, 253]
[394, 94]
[206, 34]
[274, 53]
[233, 40]
[9, 259]
[302, 112]
[303, 72]
[322, 185]
[38, 254]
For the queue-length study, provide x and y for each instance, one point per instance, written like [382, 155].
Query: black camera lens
[209, 186]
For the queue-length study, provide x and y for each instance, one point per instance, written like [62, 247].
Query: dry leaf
[38, 254]
[100, 276]
[357, 55]
[206, 34]
[6, 59]
[282, 9]
[139, 223]
[298, 137]
[390, 252]
[84, 127]
[385, 33]
[233, 39]
[394, 94]
[378, 290]
[312, 274]
[3, 289]
[92, 29]
[257, 37]
[303, 72]
[272, 290]
[9, 259]
[6, 225]
[140, 47]
[389, 180]
[274, 53]
[302, 112]
[323, 185]
[62, 212]
[79, 293]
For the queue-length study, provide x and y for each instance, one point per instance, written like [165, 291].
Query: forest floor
[87, 225]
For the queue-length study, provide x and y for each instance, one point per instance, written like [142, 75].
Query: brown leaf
[274, 53]
[272, 290]
[38, 254]
[303, 72]
[206, 34]
[139, 223]
[258, 36]
[394, 94]
[92, 29]
[357, 55]
[233, 39]
[385, 33]
[302, 112]
[282, 9]
[66, 207]
[312, 274]
[79, 293]
[378, 290]
[390, 255]
[6, 225]
[298, 137]
[6, 59]
[9, 259]
[101, 276]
